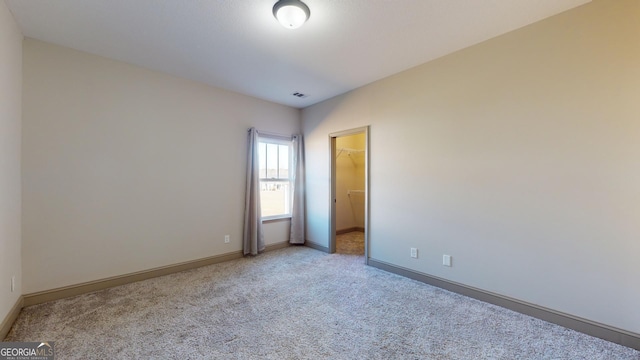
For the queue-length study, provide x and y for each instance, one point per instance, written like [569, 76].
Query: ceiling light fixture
[291, 13]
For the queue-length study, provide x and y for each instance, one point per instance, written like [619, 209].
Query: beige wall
[350, 176]
[518, 156]
[127, 169]
[10, 128]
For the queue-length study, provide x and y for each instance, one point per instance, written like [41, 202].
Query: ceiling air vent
[299, 95]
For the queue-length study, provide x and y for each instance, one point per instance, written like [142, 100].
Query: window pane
[262, 155]
[272, 161]
[275, 198]
[283, 163]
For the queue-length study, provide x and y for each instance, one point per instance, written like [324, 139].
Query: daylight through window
[275, 177]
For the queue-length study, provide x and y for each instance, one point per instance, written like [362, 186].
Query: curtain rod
[275, 135]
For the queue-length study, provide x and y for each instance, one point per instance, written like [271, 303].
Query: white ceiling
[239, 46]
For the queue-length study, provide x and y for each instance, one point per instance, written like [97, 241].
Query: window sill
[271, 219]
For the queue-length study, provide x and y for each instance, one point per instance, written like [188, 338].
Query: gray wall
[127, 169]
[10, 128]
[519, 157]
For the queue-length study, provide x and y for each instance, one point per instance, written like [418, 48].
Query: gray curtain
[297, 210]
[253, 237]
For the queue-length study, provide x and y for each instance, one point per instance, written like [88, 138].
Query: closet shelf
[348, 151]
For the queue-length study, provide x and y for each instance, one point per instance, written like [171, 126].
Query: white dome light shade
[291, 13]
[291, 17]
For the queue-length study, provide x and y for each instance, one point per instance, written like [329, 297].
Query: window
[275, 177]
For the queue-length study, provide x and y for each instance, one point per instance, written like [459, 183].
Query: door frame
[332, 193]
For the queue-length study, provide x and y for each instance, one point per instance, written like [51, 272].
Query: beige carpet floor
[295, 303]
[351, 243]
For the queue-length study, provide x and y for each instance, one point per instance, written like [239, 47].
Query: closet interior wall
[350, 180]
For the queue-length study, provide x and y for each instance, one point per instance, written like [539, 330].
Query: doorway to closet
[349, 192]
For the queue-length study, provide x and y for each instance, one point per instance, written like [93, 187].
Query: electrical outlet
[227, 239]
[414, 253]
[446, 260]
[13, 283]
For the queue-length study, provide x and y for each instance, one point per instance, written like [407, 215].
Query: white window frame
[266, 139]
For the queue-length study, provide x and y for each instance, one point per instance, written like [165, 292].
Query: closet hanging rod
[348, 151]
